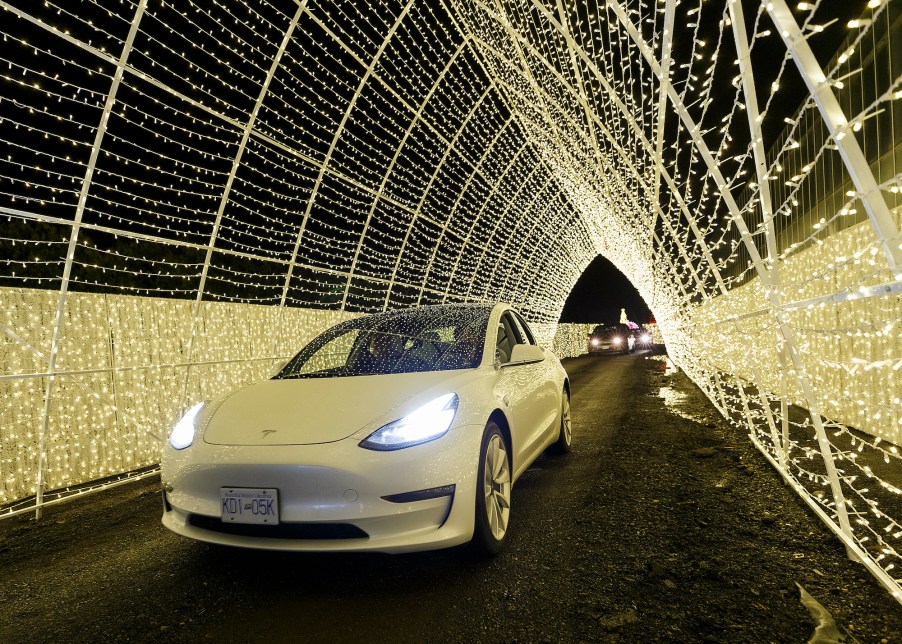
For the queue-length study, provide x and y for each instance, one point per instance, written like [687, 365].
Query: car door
[549, 396]
[518, 388]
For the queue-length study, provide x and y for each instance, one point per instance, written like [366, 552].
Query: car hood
[307, 411]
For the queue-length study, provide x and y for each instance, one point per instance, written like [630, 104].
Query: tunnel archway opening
[600, 293]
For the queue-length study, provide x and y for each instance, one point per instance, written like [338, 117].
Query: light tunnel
[190, 190]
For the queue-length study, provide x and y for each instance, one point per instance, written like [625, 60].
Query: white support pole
[70, 251]
[715, 376]
[746, 74]
[754, 118]
[113, 370]
[844, 138]
[747, 412]
[666, 46]
[779, 447]
[784, 407]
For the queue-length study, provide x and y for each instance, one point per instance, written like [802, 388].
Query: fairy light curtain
[189, 190]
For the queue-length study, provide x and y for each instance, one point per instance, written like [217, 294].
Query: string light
[262, 175]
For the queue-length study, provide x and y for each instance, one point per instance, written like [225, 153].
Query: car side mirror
[526, 353]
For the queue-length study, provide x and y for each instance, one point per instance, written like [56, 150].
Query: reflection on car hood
[317, 410]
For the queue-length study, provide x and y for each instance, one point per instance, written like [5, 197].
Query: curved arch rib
[70, 250]
[236, 163]
[391, 166]
[335, 138]
[419, 208]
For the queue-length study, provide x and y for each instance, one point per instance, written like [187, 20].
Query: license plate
[249, 505]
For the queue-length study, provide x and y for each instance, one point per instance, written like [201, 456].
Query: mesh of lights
[187, 190]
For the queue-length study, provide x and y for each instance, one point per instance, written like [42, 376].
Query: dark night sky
[600, 293]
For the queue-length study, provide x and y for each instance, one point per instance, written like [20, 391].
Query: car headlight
[422, 425]
[646, 337]
[182, 435]
[617, 340]
[595, 342]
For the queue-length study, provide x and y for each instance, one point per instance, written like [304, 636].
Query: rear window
[603, 330]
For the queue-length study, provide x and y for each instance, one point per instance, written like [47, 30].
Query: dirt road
[663, 524]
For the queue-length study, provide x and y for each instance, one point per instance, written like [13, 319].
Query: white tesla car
[392, 432]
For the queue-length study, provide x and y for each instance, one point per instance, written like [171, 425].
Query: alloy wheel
[497, 487]
[566, 423]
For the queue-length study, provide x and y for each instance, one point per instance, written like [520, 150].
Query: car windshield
[605, 331]
[435, 338]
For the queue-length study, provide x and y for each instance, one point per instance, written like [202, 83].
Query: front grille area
[281, 531]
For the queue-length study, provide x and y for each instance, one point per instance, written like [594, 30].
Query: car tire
[493, 492]
[565, 438]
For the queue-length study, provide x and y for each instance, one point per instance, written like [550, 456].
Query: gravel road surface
[663, 524]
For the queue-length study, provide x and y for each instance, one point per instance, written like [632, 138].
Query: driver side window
[505, 341]
[522, 330]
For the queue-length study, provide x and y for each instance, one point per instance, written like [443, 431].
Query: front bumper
[331, 496]
[606, 348]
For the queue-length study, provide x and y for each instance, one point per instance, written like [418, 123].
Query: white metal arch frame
[391, 166]
[73, 239]
[546, 119]
[347, 114]
[625, 111]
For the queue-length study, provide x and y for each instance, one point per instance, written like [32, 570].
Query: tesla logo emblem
[267, 432]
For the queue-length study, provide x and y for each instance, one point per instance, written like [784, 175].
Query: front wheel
[493, 492]
[565, 438]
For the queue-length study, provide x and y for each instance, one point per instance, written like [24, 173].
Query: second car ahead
[393, 432]
[614, 338]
